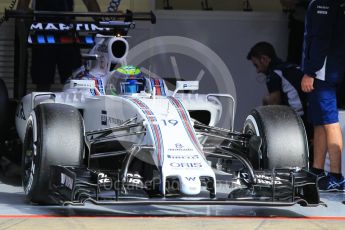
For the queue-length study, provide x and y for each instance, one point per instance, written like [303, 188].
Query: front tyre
[284, 141]
[54, 136]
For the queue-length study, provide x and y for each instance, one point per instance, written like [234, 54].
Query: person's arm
[318, 32]
[23, 4]
[274, 87]
[273, 98]
[92, 5]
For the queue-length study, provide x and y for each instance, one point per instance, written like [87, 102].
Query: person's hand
[307, 83]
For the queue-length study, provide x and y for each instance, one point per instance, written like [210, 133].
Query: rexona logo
[185, 165]
[183, 157]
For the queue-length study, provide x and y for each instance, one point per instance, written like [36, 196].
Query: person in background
[282, 78]
[296, 10]
[282, 81]
[45, 59]
[323, 66]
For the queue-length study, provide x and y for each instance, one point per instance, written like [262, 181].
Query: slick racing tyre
[284, 141]
[54, 136]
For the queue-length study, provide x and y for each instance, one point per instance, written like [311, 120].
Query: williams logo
[190, 178]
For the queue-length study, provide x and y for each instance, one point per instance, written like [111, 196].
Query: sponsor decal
[82, 84]
[262, 179]
[66, 181]
[115, 121]
[183, 157]
[65, 27]
[186, 165]
[103, 178]
[181, 150]
[179, 147]
[322, 7]
[104, 119]
[322, 12]
[134, 178]
[268, 179]
[190, 178]
[20, 112]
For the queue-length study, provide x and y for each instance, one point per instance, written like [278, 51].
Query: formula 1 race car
[117, 136]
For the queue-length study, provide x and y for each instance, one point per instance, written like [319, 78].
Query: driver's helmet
[126, 79]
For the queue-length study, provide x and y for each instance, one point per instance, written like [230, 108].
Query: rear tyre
[284, 140]
[54, 136]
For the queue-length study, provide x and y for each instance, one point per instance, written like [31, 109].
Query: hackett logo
[178, 146]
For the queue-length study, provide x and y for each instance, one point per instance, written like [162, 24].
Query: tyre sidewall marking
[29, 185]
[252, 120]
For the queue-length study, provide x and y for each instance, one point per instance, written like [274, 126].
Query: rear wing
[53, 28]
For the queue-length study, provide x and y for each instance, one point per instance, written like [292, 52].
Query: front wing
[281, 187]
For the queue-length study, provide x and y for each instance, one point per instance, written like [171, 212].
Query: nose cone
[190, 185]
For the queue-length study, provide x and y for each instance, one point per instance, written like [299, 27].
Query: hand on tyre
[307, 83]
